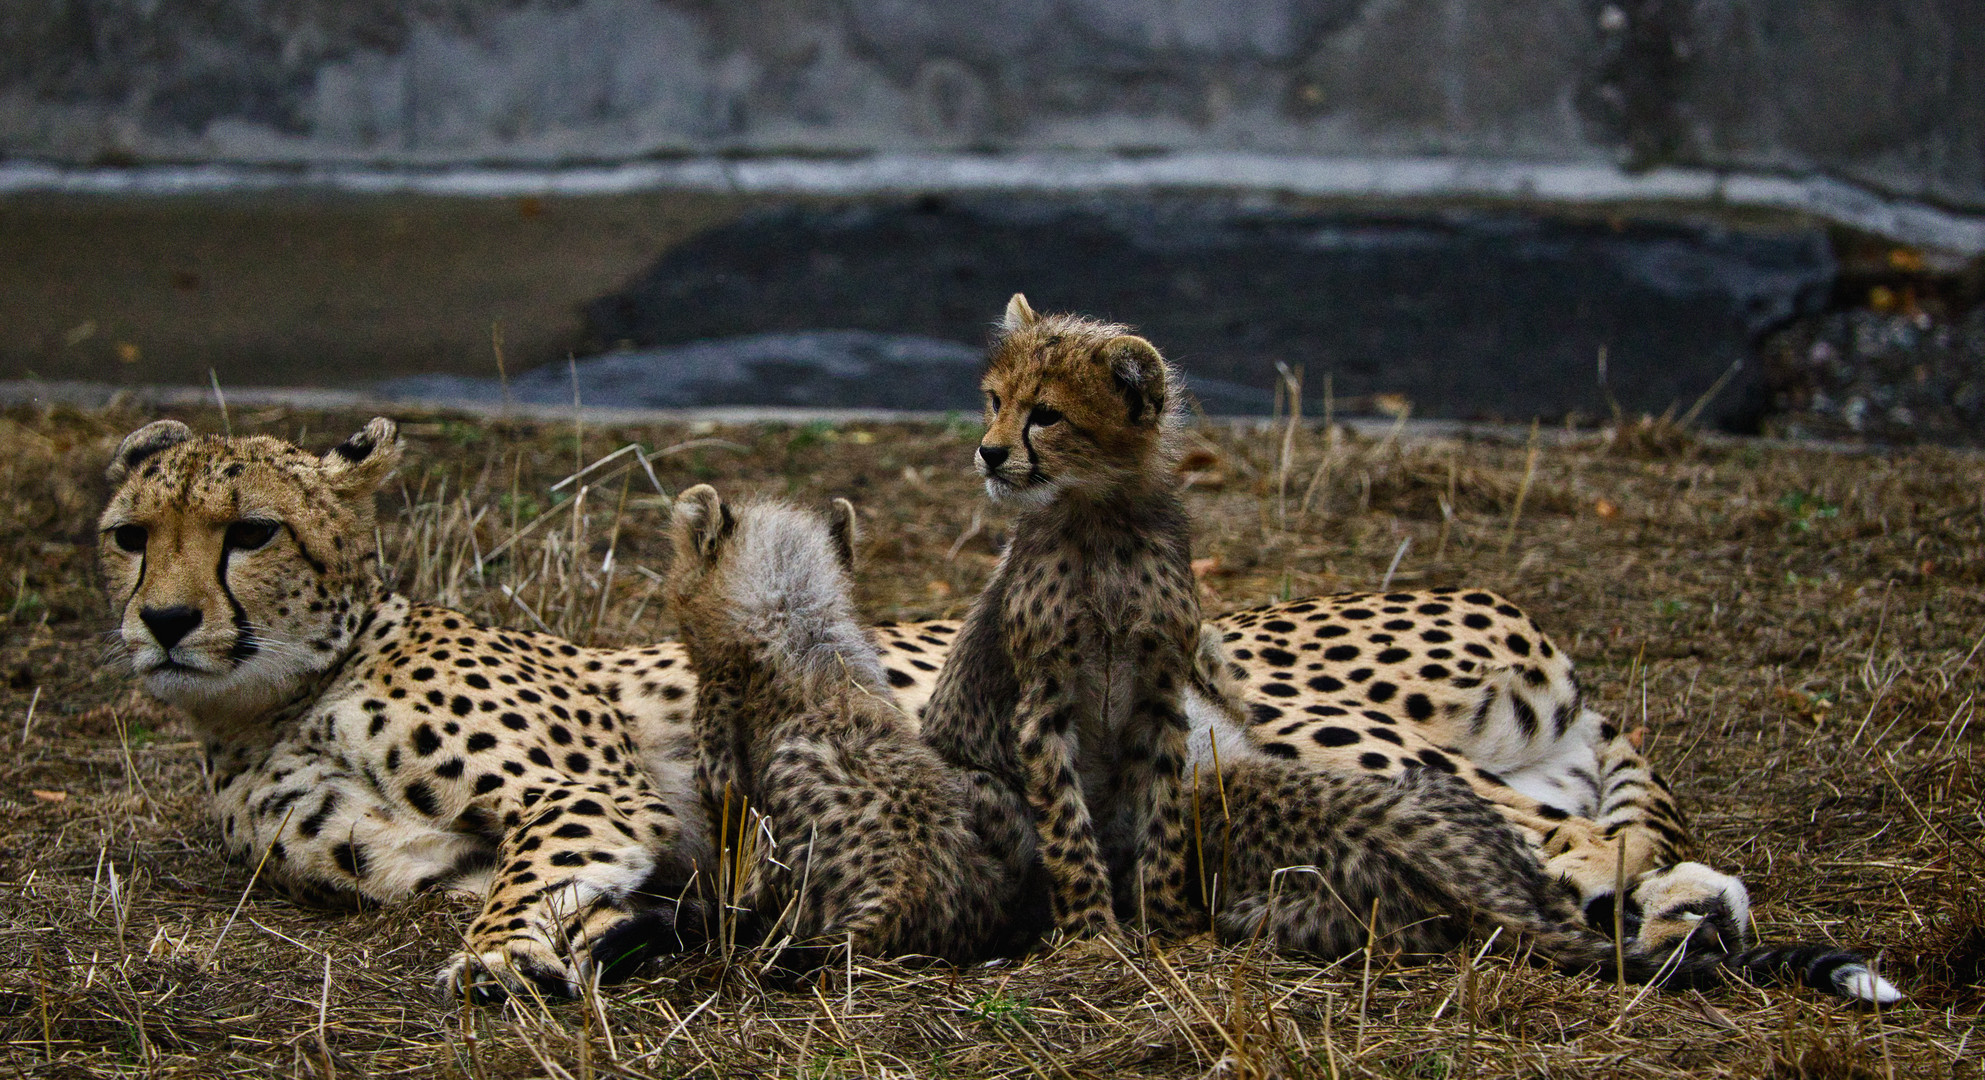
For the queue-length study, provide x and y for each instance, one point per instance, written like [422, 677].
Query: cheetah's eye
[249, 535]
[992, 400]
[1042, 416]
[131, 538]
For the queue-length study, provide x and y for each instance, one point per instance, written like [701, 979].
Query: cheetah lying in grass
[362, 747]
[372, 747]
[1067, 680]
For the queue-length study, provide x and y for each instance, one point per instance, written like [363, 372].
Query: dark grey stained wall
[1885, 93]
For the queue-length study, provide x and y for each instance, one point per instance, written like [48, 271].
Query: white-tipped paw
[1692, 902]
[521, 966]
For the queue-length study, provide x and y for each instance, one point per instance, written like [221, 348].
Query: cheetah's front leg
[578, 851]
[1046, 721]
[1154, 772]
[719, 772]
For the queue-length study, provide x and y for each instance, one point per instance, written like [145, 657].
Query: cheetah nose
[170, 625]
[993, 456]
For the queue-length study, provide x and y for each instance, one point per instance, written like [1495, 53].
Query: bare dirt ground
[1797, 632]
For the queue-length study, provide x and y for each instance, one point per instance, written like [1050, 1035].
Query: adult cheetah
[1068, 679]
[363, 747]
[1371, 683]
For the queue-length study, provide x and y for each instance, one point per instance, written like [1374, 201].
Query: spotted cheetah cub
[1323, 863]
[1065, 682]
[870, 844]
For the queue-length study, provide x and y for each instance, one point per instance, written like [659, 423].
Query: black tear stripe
[144, 564]
[245, 645]
[1033, 459]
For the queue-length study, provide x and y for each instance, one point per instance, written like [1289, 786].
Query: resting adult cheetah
[1457, 680]
[372, 747]
[868, 834]
[1065, 683]
[1067, 680]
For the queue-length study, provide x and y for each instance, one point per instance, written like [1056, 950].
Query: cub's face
[1071, 405]
[237, 568]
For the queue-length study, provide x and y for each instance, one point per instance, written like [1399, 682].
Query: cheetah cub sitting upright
[871, 845]
[1065, 682]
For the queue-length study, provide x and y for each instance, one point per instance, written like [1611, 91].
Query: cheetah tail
[1822, 967]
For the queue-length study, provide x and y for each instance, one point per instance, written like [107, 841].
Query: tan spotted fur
[861, 834]
[363, 748]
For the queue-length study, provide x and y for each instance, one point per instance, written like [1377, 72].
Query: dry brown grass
[1797, 632]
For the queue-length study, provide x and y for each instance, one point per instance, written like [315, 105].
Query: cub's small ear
[362, 462]
[1140, 375]
[1018, 314]
[143, 443]
[846, 529]
[701, 523]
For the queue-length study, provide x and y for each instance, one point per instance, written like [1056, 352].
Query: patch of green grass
[521, 506]
[462, 433]
[1002, 1008]
[964, 427]
[811, 434]
[28, 604]
[1804, 509]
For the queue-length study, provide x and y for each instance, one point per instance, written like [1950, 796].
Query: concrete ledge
[1405, 179]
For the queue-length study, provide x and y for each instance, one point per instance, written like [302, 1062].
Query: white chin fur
[1026, 498]
[251, 686]
[1864, 985]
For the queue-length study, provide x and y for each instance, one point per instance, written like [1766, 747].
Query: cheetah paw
[1691, 902]
[1676, 904]
[521, 966]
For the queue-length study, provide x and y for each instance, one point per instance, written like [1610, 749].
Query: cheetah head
[1072, 405]
[767, 577]
[239, 568]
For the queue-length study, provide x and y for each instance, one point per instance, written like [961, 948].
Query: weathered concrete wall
[1886, 93]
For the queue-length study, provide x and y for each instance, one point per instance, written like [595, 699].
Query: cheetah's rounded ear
[143, 443]
[1018, 315]
[702, 521]
[1139, 373]
[846, 529]
[362, 462]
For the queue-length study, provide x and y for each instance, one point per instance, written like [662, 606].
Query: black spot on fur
[1436, 759]
[421, 798]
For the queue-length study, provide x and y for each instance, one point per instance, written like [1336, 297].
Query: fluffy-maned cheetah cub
[369, 747]
[1064, 683]
[870, 840]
